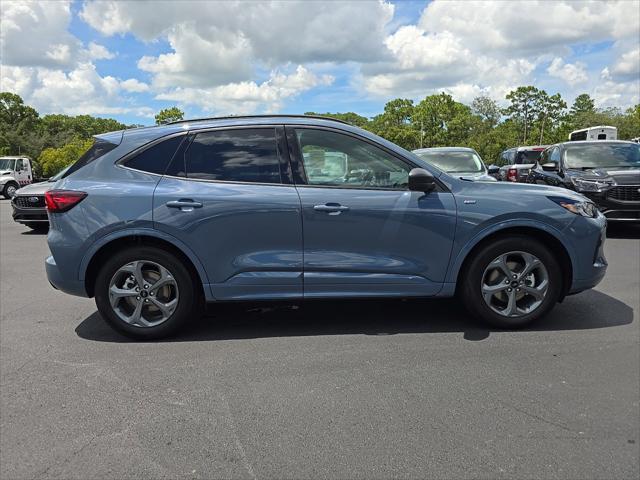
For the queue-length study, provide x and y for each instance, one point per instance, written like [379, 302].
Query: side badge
[469, 202]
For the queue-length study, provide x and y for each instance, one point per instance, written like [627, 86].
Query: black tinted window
[527, 156]
[155, 158]
[98, 149]
[243, 155]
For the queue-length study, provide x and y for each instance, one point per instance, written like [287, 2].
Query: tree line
[531, 117]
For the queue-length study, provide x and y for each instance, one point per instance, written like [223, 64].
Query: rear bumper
[29, 215]
[60, 282]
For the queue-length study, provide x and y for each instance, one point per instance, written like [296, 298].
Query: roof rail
[233, 117]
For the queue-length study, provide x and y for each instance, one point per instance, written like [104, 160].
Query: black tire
[471, 281]
[5, 190]
[38, 226]
[188, 300]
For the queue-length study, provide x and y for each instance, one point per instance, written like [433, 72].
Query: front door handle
[184, 204]
[331, 208]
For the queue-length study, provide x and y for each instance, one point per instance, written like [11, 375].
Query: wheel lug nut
[508, 289]
[515, 276]
[137, 298]
[517, 289]
[146, 286]
[146, 300]
[137, 289]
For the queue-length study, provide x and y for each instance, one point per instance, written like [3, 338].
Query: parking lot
[370, 389]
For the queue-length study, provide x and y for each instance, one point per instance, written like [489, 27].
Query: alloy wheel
[515, 284]
[143, 293]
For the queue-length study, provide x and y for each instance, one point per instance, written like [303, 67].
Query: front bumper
[60, 282]
[29, 215]
[615, 210]
[590, 264]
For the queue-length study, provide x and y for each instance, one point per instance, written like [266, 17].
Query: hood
[509, 189]
[35, 188]
[476, 177]
[621, 176]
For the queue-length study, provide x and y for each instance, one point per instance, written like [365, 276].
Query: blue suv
[154, 222]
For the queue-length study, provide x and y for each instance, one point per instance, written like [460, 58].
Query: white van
[601, 132]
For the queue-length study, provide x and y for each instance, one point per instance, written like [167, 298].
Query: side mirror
[420, 180]
[493, 169]
[550, 167]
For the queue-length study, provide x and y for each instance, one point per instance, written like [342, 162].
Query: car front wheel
[512, 282]
[145, 293]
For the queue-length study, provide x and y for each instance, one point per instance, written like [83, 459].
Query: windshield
[527, 156]
[7, 163]
[623, 155]
[454, 162]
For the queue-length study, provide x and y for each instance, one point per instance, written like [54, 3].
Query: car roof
[444, 149]
[531, 147]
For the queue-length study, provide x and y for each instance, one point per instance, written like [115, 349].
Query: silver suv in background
[460, 162]
[518, 161]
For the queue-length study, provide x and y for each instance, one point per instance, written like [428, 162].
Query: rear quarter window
[97, 150]
[155, 158]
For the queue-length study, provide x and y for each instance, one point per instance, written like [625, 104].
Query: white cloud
[80, 91]
[628, 65]
[134, 85]
[36, 34]
[248, 97]
[572, 73]
[275, 32]
[99, 52]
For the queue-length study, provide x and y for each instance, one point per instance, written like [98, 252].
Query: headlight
[583, 185]
[584, 208]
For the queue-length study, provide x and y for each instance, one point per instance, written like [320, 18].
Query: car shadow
[240, 321]
[623, 231]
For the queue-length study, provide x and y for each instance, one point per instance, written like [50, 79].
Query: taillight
[62, 200]
[512, 175]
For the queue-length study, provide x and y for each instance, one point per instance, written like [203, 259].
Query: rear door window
[235, 155]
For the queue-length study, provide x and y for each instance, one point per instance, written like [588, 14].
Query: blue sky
[128, 60]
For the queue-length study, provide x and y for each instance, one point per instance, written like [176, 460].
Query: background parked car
[29, 205]
[518, 161]
[608, 172]
[459, 161]
[15, 172]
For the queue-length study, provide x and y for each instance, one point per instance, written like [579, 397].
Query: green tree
[488, 109]
[18, 123]
[441, 121]
[349, 117]
[52, 160]
[550, 110]
[169, 115]
[524, 108]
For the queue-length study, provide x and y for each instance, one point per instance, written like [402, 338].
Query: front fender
[467, 245]
[146, 232]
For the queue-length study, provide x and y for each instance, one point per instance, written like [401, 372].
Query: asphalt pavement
[367, 389]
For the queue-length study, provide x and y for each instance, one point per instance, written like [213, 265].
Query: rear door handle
[331, 208]
[184, 204]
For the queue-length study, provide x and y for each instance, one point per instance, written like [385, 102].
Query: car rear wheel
[146, 293]
[512, 282]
